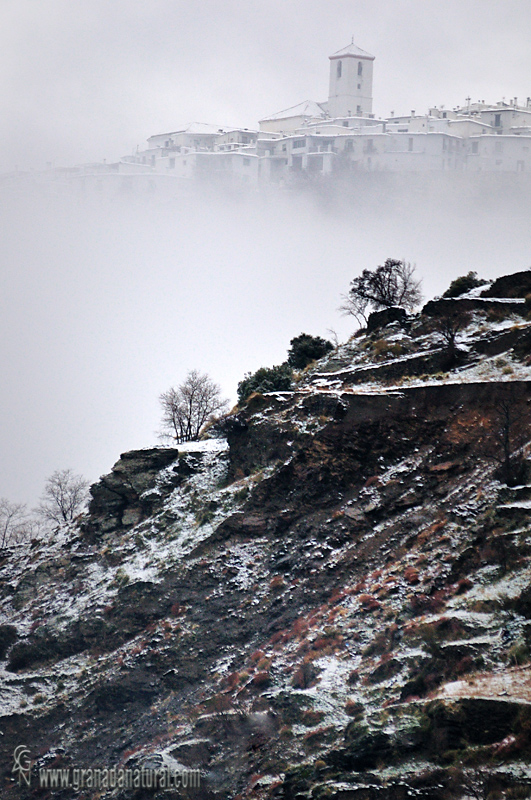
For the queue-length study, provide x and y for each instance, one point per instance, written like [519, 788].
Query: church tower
[350, 92]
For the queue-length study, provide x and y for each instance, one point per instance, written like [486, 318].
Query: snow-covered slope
[329, 598]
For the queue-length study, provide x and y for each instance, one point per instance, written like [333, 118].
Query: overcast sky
[104, 307]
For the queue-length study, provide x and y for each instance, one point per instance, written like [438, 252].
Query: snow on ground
[204, 446]
[509, 587]
[359, 355]
[513, 683]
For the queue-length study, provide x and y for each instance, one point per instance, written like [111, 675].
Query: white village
[312, 141]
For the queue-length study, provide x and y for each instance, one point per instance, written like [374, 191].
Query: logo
[22, 764]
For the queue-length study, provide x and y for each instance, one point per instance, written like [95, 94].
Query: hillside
[328, 598]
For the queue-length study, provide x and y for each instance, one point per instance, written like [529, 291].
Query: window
[172, 163]
[345, 123]
[475, 146]
[349, 144]
[339, 69]
[298, 143]
[246, 162]
[497, 120]
[360, 67]
[410, 144]
[359, 85]
[358, 110]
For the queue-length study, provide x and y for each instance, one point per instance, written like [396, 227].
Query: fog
[106, 303]
[93, 79]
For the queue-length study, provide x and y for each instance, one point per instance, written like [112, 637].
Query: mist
[106, 303]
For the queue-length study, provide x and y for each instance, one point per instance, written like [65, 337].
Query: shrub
[311, 717]
[369, 602]
[261, 679]
[265, 379]
[354, 709]
[304, 676]
[464, 284]
[257, 655]
[381, 349]
[518, 654]
[411, 575]
[305, 349]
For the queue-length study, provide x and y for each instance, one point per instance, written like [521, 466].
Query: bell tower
[350, 93]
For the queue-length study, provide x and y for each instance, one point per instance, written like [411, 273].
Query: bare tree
[355, 306]
[510, 431]
[15, 524]
[187, 408]
[64, 496]
[391, 284]
[507, 434]
[449, 324]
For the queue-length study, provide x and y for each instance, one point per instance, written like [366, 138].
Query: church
[341, 136]
[350, 93]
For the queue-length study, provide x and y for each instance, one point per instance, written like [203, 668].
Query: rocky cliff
[330, 597]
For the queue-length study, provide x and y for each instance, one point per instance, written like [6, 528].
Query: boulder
[379, 319]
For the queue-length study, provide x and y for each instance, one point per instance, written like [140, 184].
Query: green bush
[265, 379]
[464, 284]
[305, 349]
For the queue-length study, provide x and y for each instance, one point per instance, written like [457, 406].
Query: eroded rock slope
[330, 598]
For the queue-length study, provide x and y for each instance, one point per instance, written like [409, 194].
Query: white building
[342, 136]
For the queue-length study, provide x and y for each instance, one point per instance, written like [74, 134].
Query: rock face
[516, 285]
[435, 308]
[330, 601]
[123, 498]
[379, 319]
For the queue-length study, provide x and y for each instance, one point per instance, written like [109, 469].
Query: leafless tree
[391, 284]
[15, 524]
[509, 431]
[187, 408]
[64, 496]
[354, 306]
[449, 324]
